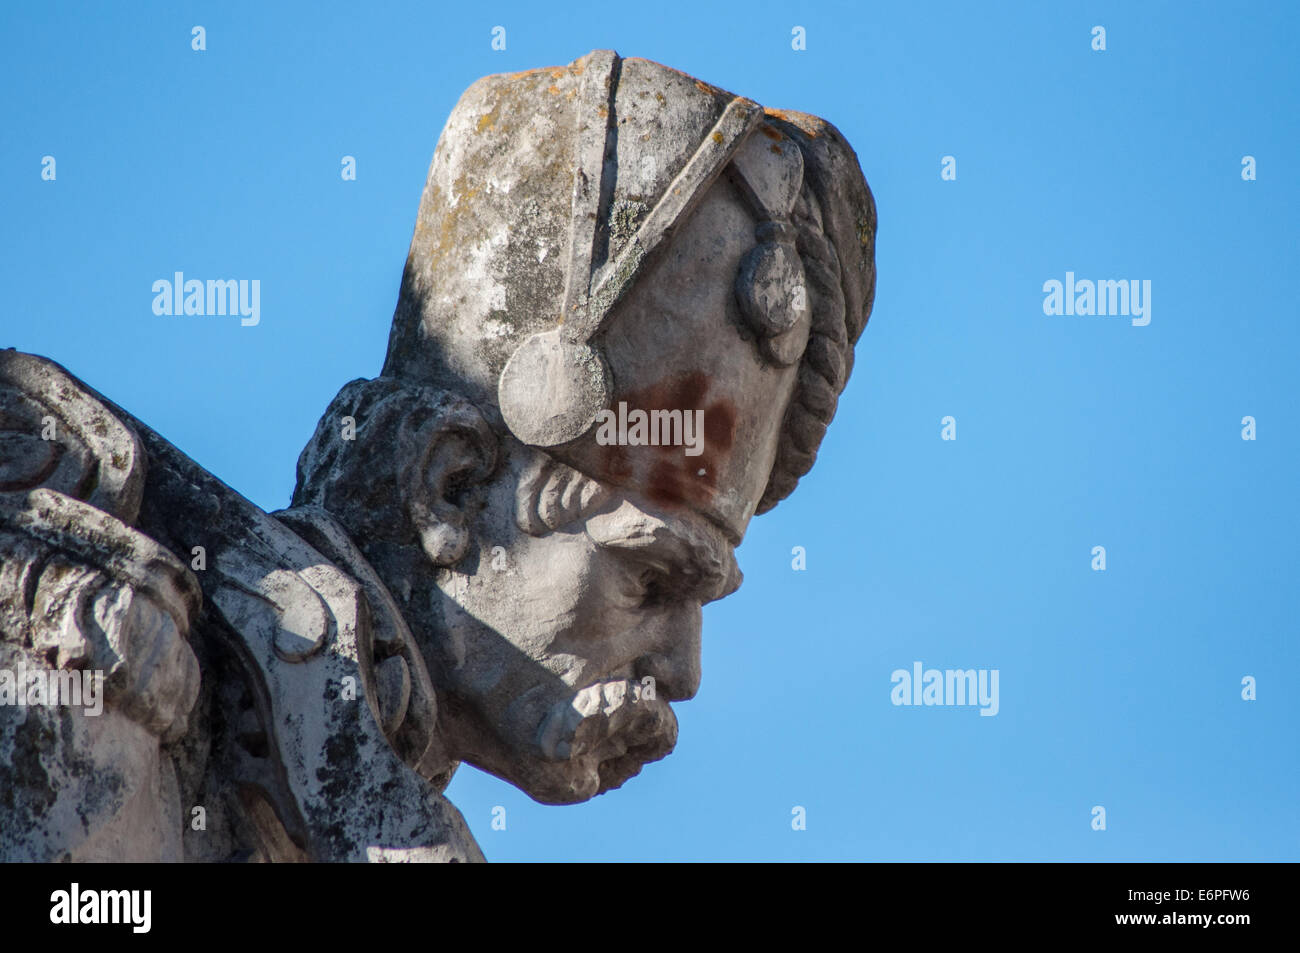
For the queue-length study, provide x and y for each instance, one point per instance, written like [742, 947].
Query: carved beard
[599, 737]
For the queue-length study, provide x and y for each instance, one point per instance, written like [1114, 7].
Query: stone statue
[625, 321]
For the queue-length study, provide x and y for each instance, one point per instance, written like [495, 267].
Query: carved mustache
[607, 719]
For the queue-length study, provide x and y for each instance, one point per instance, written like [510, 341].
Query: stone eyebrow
[552, 496]
[704, 557]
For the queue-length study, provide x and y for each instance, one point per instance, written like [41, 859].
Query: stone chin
[594, 741]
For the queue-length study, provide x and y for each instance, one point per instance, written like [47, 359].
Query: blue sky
[1119, 688]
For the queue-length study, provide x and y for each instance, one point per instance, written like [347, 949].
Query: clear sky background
[1119, 688]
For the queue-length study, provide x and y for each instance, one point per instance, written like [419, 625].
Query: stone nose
[674, 662]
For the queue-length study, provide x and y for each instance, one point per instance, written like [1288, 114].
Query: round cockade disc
[551, 389]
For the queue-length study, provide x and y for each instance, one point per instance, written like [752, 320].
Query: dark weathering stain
[674, 478]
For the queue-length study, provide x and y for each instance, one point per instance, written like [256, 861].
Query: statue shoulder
[305, 661]
[97, 675]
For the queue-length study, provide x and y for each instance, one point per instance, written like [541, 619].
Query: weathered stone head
[626, 318]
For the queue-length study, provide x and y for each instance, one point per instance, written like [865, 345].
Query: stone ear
[442, 455]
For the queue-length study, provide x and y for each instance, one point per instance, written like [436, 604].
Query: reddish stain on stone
[666, 485]
[674, 479]
[720, 425]
[617, 465]
[685, 392]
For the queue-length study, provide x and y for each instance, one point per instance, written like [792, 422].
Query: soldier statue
[627, 315]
